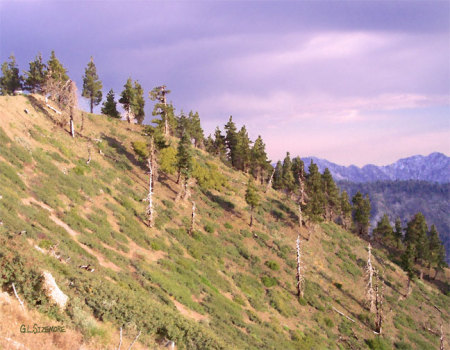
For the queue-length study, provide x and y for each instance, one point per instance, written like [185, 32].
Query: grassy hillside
[228, 286]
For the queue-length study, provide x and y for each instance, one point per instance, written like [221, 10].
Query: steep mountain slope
[433, 168]
[226, 286]
[404, 199]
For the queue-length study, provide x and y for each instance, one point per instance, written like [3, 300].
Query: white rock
[53, 291]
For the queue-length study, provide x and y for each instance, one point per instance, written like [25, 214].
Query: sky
[354, 82]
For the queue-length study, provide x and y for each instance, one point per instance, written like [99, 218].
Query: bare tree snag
[408, 287]
[17, 296]
[300, 277]
[120, 339]
[342, 314]
[153, 160]
[300, 216]
[191, 229]
[149, 211]
[134, 341]
[370, 294]
[379, 306]
[270, 181]
[442, 338]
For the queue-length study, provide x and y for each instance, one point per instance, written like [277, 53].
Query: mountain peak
[432, 168]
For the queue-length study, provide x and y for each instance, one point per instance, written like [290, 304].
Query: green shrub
[141, 150]
[167, 160]
[273, 265]
[269, 281]
[228, 226]
[209, 228]
[378, 343]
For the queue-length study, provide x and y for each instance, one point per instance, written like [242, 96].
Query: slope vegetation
[226, 286]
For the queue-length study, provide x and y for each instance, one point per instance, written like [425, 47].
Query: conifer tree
[398, 232]
[416, 235]
[277, 183]
[56, 69]
[384, 231]
[242, 151]
[10, 80]
[331, 195]
[315, 207]
[259, 162]
[184, 158]
[110, 106]
[127, 99]
[231, 141]
[346, 210]
[92, 86]
[436, 256]
[361, 213]
[251, 197]
[138, 103]
[219, 145]
[288, 176]
[407, 262]
[163, 109]
[35, 77]
[195, 129]
[298, 170]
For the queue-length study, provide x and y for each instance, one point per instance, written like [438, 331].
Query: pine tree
[315, 207]
[92, 86]
[361, 213]
[288, 176]
[407, 262]
[331, 195]
[219, 145]
[436, 256]
[231, 141]
[127, 99]
[163, 109]
[398, 232]
[384, 231]
[251, 197]
[10, 80]
[416, 235]
[346, 210]
[195, 129]
[110, 106]
[298, 170]
[277, 183]
[138, 103]
[56, 70]
[35, 77]
[242, 151]
[184, 158]
[259, 163]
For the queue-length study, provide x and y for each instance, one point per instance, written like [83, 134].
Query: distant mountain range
[432, 168]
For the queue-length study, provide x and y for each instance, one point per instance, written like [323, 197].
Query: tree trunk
[300, 278]
[251, 216]
[409, 288]
[300, 216]
[149, 211]
[270, 181]
[72, 129]
[179, 177]
[370, 296]
[191, 229]
[92, 105]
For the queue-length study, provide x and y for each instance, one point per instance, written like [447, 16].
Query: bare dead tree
[441, 338]
[300, 277]
[370, 294]
[300, 215]
[64, 94]
[149, 199]
[379, 306]
[270, 181]
[185, 192]
[134, 341]
[152, 156]
[191, 229]
[17, 296]
[120, 339]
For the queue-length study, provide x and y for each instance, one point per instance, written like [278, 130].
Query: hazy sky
[354, 82]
